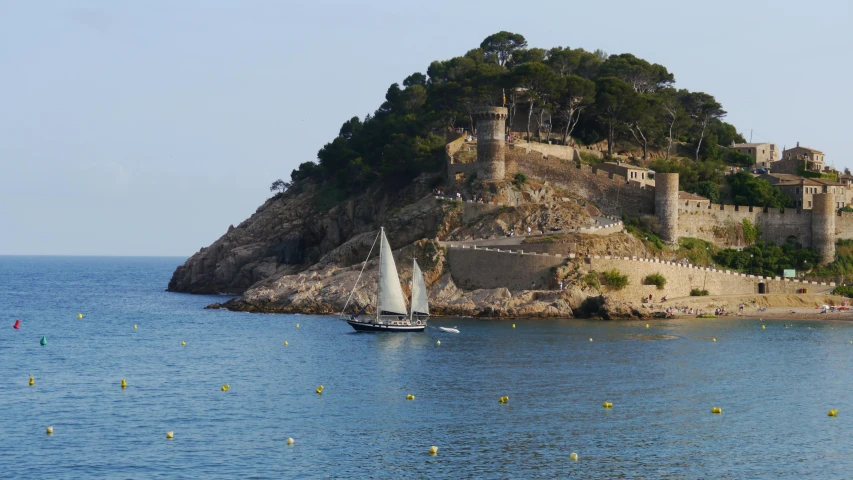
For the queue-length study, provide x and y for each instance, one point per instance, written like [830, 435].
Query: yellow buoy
[170, 434]
[32, 381]
[647, 326]
[79, 315]
[590, 339]
[503, 400]
[49, 430]
[833, 412]
[716, 410]
[225, 387]
[183, 343]
[713, 339]
[410, 397]
[134, 326]
[285, 343]
[607, 405]
[513, 325]
[123, 383]
[319, 389]
[763, 327]
[297, 325]
[433, 450]
[438, 342]
[289, 441]
[573, 456]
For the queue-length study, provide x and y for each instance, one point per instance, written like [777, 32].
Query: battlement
[681, 277]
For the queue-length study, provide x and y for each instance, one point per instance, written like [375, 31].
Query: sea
[774, 380]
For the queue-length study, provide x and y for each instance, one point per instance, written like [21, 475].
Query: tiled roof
[807, 148]
[743, 145]
[691, 196]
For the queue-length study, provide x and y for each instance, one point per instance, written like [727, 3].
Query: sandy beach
[781, 306]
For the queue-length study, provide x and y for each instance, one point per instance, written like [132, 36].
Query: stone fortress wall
[520, 269]
[617, 195]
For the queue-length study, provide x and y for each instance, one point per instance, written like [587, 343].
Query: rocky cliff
[291, 256]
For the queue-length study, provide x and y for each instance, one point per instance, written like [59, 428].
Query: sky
[147, 128]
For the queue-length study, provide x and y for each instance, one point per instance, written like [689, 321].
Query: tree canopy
[577, 94]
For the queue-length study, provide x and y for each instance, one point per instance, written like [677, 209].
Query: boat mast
[412, 306]
[379, 283]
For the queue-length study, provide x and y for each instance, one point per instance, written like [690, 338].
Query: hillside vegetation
[562, 94]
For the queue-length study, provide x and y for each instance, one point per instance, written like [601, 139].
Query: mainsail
[420, 304]
[390, 298]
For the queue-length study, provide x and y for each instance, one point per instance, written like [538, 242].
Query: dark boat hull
[376, 327]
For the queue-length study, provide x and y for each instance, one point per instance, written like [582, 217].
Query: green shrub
[698, 293]
[843, 290]
[589, 158]
[655, 279]
[614, 279]
[590, 280]
[520, 178]
[750, 231]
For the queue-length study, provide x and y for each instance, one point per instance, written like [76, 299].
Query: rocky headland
[292, 257]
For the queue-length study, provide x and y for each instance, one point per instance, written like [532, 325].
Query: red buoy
[17, 324]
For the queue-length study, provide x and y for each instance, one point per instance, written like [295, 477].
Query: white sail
[420, 303]
[390, 297]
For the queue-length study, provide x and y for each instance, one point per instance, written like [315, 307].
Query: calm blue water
[775, 387]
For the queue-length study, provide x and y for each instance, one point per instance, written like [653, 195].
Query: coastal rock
[615, 309]
[291, 232]
[325, 289]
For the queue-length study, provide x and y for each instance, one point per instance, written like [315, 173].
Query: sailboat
[391, 312]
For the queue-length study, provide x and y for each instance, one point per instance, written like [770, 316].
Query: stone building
[846, 179]
[633, 173]
[763, 153]
[806, 158]
[691, 199]
[802, 190]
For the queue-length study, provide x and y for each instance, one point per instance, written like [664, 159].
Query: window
[798, 190]
[810, 204]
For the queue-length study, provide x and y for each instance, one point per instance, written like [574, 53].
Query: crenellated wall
[616, 195]
[705, 221]
[520, 269]
[480, 267]
[682, 278]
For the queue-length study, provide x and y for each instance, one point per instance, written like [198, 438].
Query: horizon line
[89, 255]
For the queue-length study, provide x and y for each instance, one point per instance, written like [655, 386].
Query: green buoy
[43, 340]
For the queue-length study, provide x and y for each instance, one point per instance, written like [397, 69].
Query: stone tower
[666, 205]
[823, 225]
[491, 131]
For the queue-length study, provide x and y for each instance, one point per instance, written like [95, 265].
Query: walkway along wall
[473, 268]
[477, 267]
[681, 279]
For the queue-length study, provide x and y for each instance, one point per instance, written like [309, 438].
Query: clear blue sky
[146, 128]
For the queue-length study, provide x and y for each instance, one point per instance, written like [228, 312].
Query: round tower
[823, 225]
[491, 131]
[666, 205]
